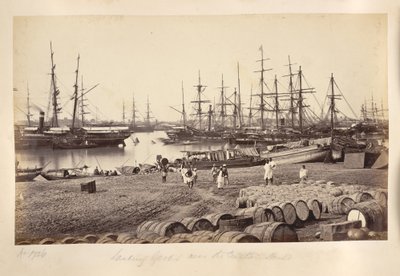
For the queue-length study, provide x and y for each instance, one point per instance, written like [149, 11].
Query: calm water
[108, 158]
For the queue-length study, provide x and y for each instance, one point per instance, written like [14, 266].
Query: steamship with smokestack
[73, 137]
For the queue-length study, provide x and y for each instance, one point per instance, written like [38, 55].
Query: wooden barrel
[47, 241]
[259, 214]
[123, 237]
[197, 224]
[234, 236]
[204, 233]
[182, 235]
[199, 238]
[277, 211]
[91, 238]
[241, 202]
[341, 205]
[80, 241]
[135, 241]
[177, 240]
[302, 210]
[216, 217]
[109, 236]
[370, 213]
[105, 240]
[68, 240]
[380, 197]
[163, 228]
[160, 240]
[315, 208]
[336, 192]
[148, 236]
[237, 223]
[288, 211]
[273, 232]
[24, 242]
[361, 197]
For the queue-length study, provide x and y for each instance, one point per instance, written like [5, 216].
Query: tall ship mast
[55, 92]
[145, 125]
[199, 102]
[75, 96]
[301, 91]
[223, 104]
[332, 107]
[82, 104]
[123, 112]
[148, 112]
[28, 106]
[262, 104]
[133, 124]
[292, 106]
[239, 107]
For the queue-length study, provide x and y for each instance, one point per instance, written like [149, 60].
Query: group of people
[105, 172]
[270, 166]
[220, 176]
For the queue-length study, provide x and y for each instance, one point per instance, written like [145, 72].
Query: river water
[145, 151]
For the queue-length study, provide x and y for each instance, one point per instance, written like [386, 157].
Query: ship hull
[306, 154]
[234, 163]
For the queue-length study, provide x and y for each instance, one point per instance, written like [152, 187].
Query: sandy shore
[58, 209]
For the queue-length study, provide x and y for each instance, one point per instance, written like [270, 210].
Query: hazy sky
[152, 55]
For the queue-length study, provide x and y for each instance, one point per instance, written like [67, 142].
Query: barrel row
[251, 196]
[339, 204]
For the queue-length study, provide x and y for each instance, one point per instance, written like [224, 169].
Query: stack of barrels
[298, 203]
[256, 224]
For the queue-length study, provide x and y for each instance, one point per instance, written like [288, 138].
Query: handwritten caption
[141, 260]
[31, 254]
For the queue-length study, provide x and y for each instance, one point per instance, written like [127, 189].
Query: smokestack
[41, 121]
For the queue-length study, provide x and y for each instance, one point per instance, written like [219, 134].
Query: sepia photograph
[164, 139]
[171, 129]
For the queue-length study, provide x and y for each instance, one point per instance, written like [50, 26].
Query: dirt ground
[56, 209]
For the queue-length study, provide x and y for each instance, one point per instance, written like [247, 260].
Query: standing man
[214, 173]
[303, 174]
[220, 179]
[225, 174]
[268, 172]
[189, 178]
[183, 173]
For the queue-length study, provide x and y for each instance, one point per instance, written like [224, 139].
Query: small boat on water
[65, 173]
[233, 158]
[28, 174]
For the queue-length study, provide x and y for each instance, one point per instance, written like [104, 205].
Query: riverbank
[58, 209]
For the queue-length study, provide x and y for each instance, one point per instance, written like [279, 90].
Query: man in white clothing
[303, 173]
[268, 172]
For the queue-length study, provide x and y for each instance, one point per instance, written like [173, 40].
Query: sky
[152, 55]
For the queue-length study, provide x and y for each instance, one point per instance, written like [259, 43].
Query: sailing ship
[68, 137]
[145, 126]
